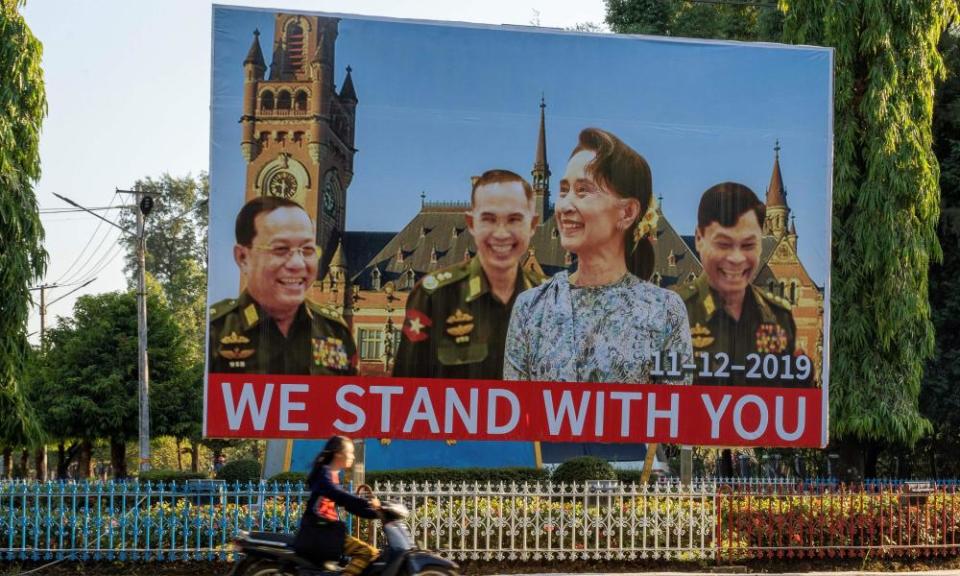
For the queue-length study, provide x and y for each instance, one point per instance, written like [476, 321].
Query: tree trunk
[40, 462]
[118, 458]
[7, 463]
[25, 463]
[852, 462]
[194, 456]
[871, 456]
[179, 454]
[726, 463]
[61, 461]
[85, 460]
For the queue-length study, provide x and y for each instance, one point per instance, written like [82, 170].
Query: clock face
[283, 185]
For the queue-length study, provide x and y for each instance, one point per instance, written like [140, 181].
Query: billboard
[501, 237]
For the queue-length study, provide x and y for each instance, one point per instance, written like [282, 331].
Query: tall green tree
[760, 20]
[940, 394]
[886, 201]
[91, 380]
[23, 259]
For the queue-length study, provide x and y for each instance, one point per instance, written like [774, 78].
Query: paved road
[718, 572]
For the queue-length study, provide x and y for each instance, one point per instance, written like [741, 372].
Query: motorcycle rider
[322, 535]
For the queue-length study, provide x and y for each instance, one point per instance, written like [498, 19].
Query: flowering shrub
[838, 523]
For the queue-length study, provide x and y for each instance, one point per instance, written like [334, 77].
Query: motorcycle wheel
[264, 568]
[434, 571]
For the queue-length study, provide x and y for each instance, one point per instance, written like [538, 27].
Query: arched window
[782, 289]
[375, 277]
[294, 47]
[266, 100]
[411, 278]
[793, 292]
[656, 278]
[301, 101]
[283, 100]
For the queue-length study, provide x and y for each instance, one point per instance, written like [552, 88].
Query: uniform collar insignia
[477, 284]
[705, 295]
[249, 309]
[250, 314]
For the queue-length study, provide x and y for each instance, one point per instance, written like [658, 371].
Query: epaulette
[222, 308]
[444, 277]
[778, 301]
[327, 311]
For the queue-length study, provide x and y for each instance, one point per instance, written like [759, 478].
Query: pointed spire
[793, 225]
[541, 170]
[348, 92]
[338, 260]
[776, 195]
[540, 163]
[255, 54]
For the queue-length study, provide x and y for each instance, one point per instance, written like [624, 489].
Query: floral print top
[612, 333]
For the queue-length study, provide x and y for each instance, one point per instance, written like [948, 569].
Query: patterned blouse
[564, 333]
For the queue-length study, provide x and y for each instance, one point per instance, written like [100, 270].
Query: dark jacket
[321, 539]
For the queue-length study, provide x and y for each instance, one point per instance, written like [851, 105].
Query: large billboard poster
[493, 237]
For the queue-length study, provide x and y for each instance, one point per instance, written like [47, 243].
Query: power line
[84, 270]
[89, 241]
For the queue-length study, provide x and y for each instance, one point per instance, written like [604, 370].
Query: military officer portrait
[728, 314]
[272, 328]
[456, 319]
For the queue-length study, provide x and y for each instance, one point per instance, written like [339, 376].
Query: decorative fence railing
[523, 522]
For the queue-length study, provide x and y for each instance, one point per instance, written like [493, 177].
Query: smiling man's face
[502, 223]
[730, 255]
[281, 263]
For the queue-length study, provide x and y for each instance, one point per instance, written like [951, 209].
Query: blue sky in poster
[439, 103]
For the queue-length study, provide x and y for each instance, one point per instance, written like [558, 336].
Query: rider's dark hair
[333, 447]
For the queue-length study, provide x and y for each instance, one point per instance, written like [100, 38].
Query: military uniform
[455, 327]
[244, 339]
[765, 326]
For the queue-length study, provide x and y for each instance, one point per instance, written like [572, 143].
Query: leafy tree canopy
[23, 259]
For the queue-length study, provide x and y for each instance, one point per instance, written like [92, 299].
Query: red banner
[272, 406]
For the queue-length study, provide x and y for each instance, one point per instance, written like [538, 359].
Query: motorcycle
[272, 554]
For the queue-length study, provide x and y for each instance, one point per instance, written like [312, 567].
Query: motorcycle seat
[271, 539]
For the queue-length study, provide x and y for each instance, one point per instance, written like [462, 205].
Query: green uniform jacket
[244, 339]
[454, 326]
[765, 327]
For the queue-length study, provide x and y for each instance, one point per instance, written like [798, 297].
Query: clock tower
[297, 129]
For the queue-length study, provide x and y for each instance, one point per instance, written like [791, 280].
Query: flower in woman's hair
[647, 226]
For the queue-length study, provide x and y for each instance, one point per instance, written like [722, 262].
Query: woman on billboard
[604, 322]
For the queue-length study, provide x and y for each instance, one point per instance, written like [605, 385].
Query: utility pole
[144, 203]
[143, 206]
[40, 457]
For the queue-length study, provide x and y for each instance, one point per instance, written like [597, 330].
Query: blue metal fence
[139, 521]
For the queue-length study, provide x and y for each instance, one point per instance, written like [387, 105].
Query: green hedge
[290, 476]
[583, 468]
[240, 471]
[447, 475]
[171, 476]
